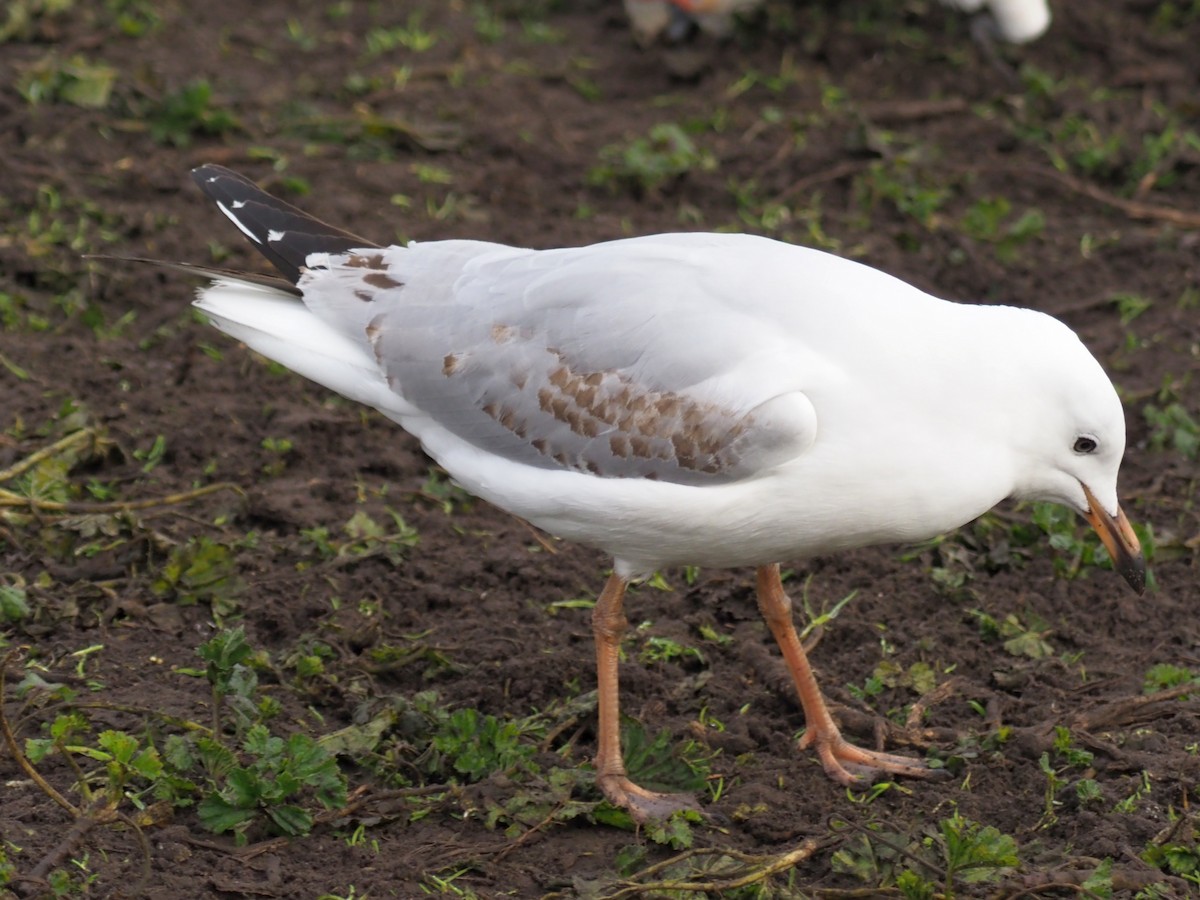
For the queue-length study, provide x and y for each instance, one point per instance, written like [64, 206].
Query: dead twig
[10, 741]
[529, 833]
[833, 173]
[59, 446]
[758, 869]
[14, 500]
[940, 694]
[1135, 209]
[1130, 710]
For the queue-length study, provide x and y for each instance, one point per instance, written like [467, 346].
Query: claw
[641, 803]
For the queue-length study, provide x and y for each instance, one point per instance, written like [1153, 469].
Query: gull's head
[1072, 440]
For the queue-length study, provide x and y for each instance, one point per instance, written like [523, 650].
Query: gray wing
[621, 360]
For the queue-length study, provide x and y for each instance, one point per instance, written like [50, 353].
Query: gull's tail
[283, 234]
[263, 311]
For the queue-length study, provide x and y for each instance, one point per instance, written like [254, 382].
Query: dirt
[491, 132]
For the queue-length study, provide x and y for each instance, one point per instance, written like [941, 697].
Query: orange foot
[641, 803]
[848, 764]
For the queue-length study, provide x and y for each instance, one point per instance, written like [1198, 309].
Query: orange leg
[608, 624]
[843, 762]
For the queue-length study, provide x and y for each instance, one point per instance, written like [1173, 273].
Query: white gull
[1014, 21]
[705, 399]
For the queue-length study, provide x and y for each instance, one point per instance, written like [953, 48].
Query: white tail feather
[280, 327]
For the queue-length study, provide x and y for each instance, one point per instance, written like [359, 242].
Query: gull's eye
[1085, 444]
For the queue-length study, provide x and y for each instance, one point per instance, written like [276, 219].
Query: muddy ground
[1063, 176]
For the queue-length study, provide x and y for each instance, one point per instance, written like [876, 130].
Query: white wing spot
[273, 236]
[238, 204]
[234, 219]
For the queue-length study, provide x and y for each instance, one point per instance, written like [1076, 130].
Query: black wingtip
[285, 235]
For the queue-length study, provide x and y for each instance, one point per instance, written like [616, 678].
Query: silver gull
[705, 399]
[1014, 21]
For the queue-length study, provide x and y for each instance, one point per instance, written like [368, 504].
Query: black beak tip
[1133, 570]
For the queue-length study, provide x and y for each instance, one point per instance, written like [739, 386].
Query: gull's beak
[1120, 541]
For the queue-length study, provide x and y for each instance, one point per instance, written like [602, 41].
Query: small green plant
[188, 113]
[153, 455]
[489, 24]
[476, 745]
[1076, 554]
[8, 869]
[974, 853]
[1130, 306]
[410, 36]
[76, 81]
[23, 17]
[1162, 676]
[661, 765]
[1130, 803]
[661, 649]
[987, 221]
[908, 187]
[279, 448]
[1071, 768]
[438, 488]
[647, 164]
[1173, 428]
[128, 766]
[1177, 857]
[1019, 639]
[820, 618]
[14, 605]
[230, 667]
[134, 18]
[280, 775]
[362, 537]
[957, 852]
[201, 571]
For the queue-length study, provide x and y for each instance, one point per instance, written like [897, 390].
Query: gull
[719, 400]
[1014, 21]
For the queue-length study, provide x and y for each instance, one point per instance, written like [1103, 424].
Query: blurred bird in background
[670, 21]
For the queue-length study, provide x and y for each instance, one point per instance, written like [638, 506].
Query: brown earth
[876, 129]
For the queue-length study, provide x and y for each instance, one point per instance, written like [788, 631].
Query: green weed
[659, 764]
[410, 36]
[489, 24]
[955, 853]
[1173, 428]
[14, 604]
[134, 18]
[125, 761]
[475, 745]
[904, 185]
[361, 537]
[647, 164]
[1077, 554]
[661, 649]
[280, 449]
[1163, 676]
[279, 775]
[1019, 639]
[76, 81]
[230, 668]
[24, 18]
[55, 223]
[187, 114]
[202, 571]
[988, 220]
[1130, 803]
[1177, 851]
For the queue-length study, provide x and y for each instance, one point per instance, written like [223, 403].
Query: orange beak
[1120, 541]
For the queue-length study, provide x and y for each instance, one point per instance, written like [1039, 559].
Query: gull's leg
[843, 761]
[608, 624]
